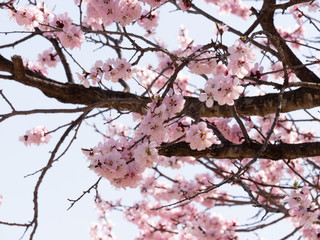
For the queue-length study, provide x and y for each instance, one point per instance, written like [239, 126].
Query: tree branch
[302, 98]
[290, 59]
[244, 150]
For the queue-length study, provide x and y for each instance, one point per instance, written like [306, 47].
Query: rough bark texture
[244, 150]
[287, 56]
[302, 98]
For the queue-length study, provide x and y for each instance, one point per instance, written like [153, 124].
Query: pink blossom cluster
[114, 161]
[57, 26]
[112, 69]
[200, 136]
[123, 161]
[106, 12]
[149, 21]
[240, 59]
[235, 7]
[48, 58]
[256, 72]
[124, 12]
[179, 128]
[232, 133]
[302, 209]
[295, 36]
[270, 171]
[184, 5]
[154, 123]
[35, 136]
[185, 222]
[30, 17]
[223, 90]
[297, 10]
[37, 66]
[70, 36]
[154, 3]
[103, 229]
[182, 188]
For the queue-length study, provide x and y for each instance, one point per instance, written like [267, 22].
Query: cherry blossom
[200, 137]
[114, 69]
[190, 105]
[149, 21]
[224, 90]
[49, 58]
[301, 207]
[35, 136]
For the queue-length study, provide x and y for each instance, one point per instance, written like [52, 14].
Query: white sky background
[69, 177]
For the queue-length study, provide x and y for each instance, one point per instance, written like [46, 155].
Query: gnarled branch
[240, 151]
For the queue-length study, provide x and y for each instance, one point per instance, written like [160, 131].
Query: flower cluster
[231, 6]
[301, 207]
[35, 136]
[30, 18]
[70, 36]
[224, 90]
[149, 21]
[114, 161]
[106, 12]
[154, 123]
[56, 26]
[102, 230]
[48, 58]
[186, 222]
[240, 59]
[199, 136]
[112, 69]
[122, 161]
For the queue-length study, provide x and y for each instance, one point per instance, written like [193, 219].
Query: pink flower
[224, 90]
[49, 58]
[199, 136]
[240, 59]
[149, 20]
[145, 154]
[83, 80]
[35, 136]
[114, 69]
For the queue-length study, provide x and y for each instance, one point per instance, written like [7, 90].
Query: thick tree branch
[302, 98]
[244, 150]
[290, 59]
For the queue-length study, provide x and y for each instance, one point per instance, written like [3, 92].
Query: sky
[70, 176]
